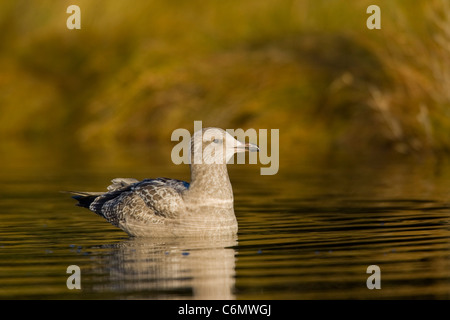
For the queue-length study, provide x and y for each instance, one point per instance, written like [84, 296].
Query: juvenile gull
[168, 207]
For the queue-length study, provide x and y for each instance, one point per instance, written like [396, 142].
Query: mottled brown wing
[162, 195]
[139, 200]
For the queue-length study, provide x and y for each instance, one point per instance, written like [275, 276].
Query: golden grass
[312, 69]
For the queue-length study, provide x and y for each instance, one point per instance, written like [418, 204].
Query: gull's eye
[216, 141]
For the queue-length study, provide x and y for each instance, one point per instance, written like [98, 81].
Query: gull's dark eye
[216, 141]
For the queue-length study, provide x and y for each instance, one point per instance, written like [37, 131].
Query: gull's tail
[95, 200]
[84, 198]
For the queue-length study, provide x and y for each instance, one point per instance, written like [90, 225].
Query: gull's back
[130, 202]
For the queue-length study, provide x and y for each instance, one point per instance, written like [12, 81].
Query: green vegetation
[137, 71]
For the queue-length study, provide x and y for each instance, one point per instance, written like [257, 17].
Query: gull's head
[216, 146]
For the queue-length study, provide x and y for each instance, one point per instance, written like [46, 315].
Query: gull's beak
[242, 147]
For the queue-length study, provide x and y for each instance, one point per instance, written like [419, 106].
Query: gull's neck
[210, 181]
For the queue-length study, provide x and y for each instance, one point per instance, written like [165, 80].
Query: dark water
[309, 232]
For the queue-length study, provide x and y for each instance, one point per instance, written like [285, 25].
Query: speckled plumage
[168, 207]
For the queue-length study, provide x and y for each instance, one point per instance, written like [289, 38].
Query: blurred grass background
[138, 70]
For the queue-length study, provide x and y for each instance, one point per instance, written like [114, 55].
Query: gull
[165, 207]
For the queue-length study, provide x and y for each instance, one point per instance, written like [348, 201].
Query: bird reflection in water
[180, 268]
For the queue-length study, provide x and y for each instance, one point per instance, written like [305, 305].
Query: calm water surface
[309, 232]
